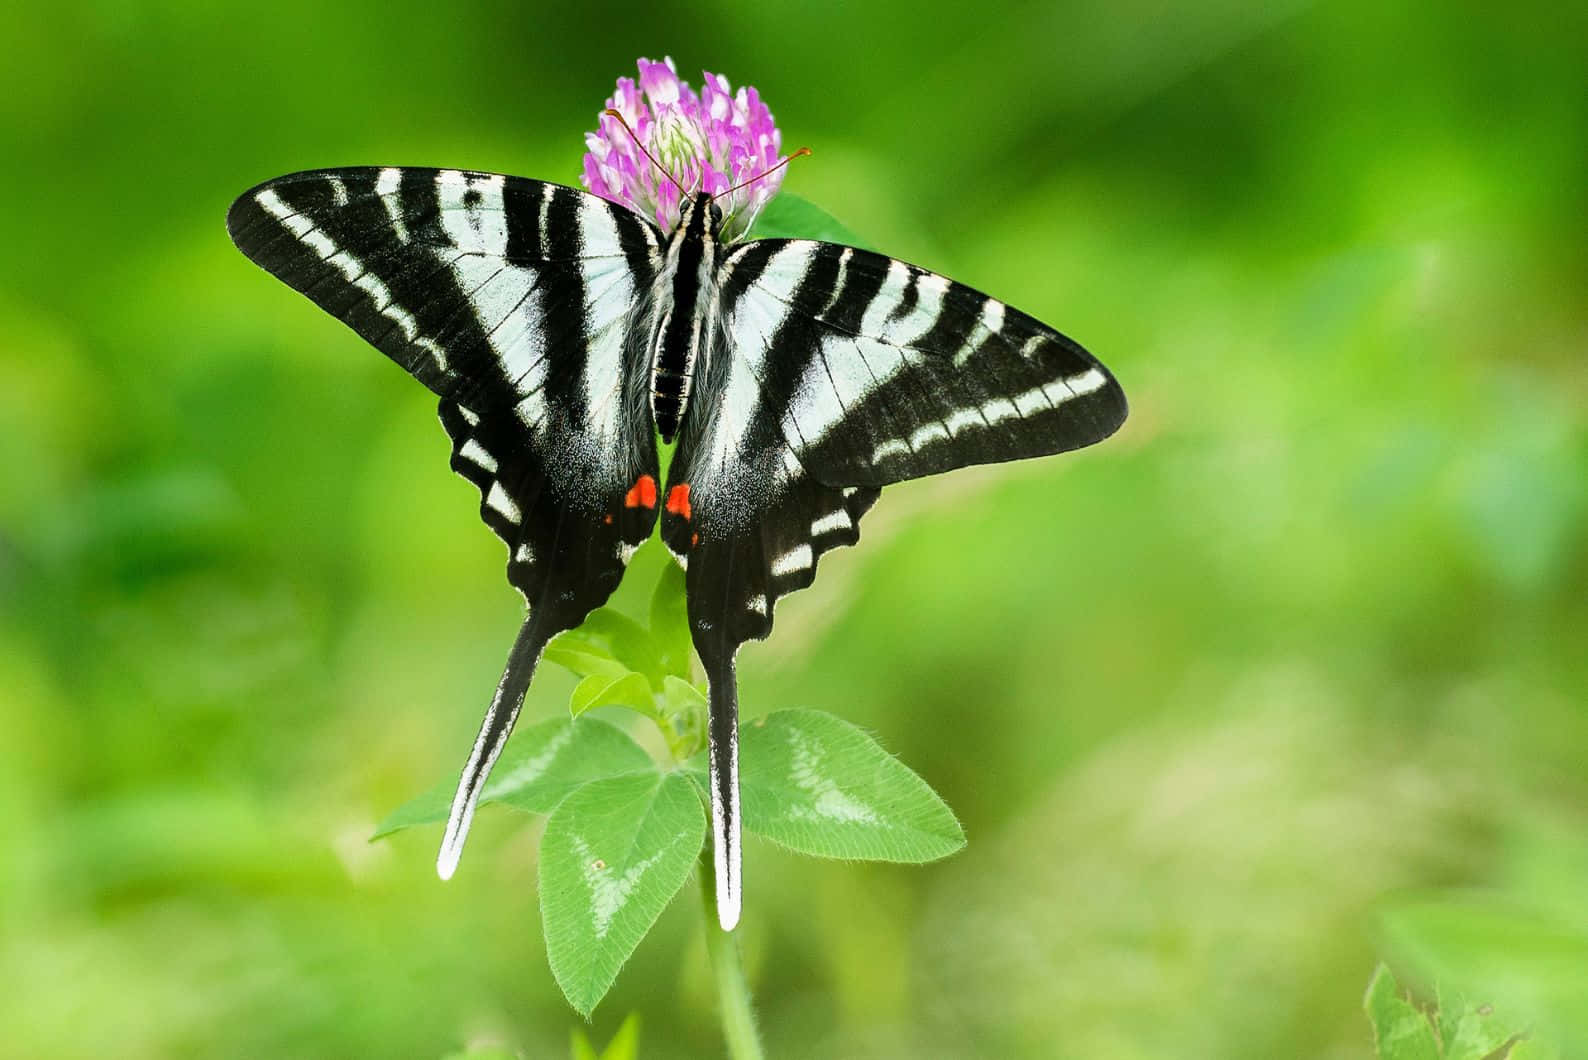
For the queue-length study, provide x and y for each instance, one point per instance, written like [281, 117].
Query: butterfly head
[700, 215]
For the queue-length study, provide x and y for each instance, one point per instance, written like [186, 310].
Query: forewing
[874, 371]
[486, 288]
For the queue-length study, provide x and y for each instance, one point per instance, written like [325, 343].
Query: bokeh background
[1287, 678]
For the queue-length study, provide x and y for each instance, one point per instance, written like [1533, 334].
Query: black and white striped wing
[835, 372]
[874, 371]
[518, 303]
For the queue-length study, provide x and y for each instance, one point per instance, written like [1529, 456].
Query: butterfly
[562, 333]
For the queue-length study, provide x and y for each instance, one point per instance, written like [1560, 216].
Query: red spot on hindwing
[642, 494]
[678, 500]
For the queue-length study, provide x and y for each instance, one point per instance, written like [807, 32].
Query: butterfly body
[682, 325]
[562, 333]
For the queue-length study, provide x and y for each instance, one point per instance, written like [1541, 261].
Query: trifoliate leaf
[613, 855]
[819, 785]
[541, 764]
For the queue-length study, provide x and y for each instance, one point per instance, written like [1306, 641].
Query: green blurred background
[1287, 678]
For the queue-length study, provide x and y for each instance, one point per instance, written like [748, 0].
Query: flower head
[709, 142]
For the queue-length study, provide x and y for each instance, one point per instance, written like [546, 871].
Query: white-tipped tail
[723, 733]
[494, 731]
[725, 830]
[487, 748]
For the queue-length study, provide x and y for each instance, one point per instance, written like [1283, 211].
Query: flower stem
[733, 995]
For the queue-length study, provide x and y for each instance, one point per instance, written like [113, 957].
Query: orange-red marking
[641, 494]
[678, 500]
[694, 539]
[607, 518]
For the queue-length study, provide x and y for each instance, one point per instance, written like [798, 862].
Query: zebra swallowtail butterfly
[562, 333]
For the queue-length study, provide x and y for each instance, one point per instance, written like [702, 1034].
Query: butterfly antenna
[613, 113]
[801, 153]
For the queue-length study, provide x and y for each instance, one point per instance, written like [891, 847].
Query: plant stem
[733, 995]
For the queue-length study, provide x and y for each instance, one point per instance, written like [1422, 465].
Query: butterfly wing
[874, 371]
[840, 371]
[515, 301]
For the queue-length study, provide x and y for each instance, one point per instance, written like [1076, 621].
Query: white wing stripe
[792, 561]
[992, 315]
[608, 294]
[498, 499]
[1037, 399]
[481, 226]
[957, 421]
[351, 269]
[474, 216]
[387, 187]
[891, 447]
[752, 327]
[546, 192]
[1032, 402]
[475, 453]
[831, 383]
[999, 409]
[838, 520]
[932, 432]
[838, 284]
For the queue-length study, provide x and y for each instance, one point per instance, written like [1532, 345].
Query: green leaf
[625, 1044]
[579, 1047]
[1400, 1031]
[670, 622]
[582, 658]
[819, 785]
[683, 719]
[541, 764]
[1472, 1031]
[604, 690]
[609, 635]
[614, 854]
[788, 216]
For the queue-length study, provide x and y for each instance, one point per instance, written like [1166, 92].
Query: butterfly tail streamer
[494, 731]
[723, 730]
